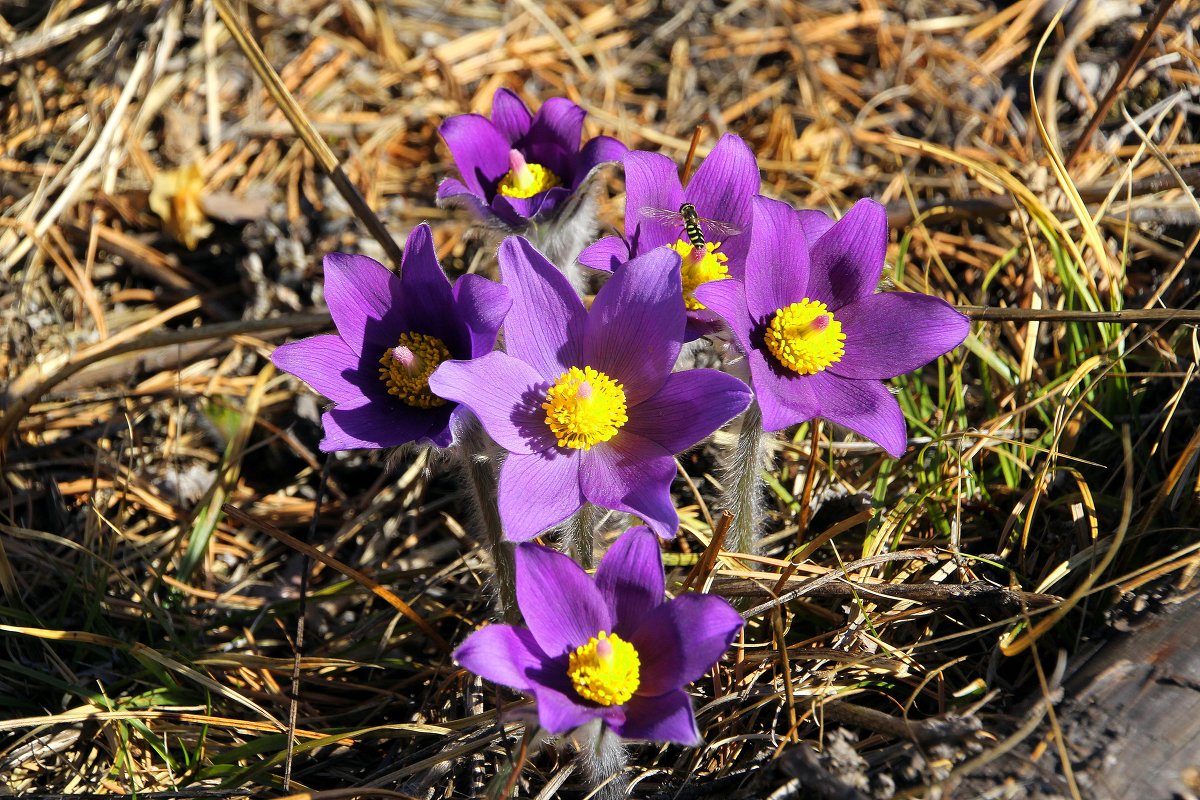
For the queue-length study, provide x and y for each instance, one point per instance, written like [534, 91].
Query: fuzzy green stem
[603, 758]
[744, 483]
[479, 465]
[578, 538]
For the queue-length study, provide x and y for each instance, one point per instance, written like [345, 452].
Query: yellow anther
[407, 366]
[606, 670]
[524, 179]
[699, 267]
[585, 407]
[805, 338]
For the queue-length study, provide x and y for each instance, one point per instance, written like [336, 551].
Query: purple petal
[482, 305]
[560, 712]
[510, 115]
[635, 326]
[597, 151]
[558, 121]
[814, 223]
[518, 210]
[480, 151]
[545, 325]
[865, 407]
[326, 364]
[606, 254]
[503, 654]
[630, 577]
[426, 299]
[380, 424]
[783, 397]
[847, 261]
[364, 298]
[723, 185]
[894, 333]
[560, 603]
[727, 299]
[703, 625]
[651, 182]
[505, 393]
[538, 491]
[777, 265]
[451, 192]
[689, 407]
[633, 474]
[664, 718]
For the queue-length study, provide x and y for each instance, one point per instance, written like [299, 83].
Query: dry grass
[147, 639]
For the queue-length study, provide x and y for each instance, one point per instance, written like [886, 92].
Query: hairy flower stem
[578, 537]
[603, 758]
[742, 472]
[479, 466]
[562, 238]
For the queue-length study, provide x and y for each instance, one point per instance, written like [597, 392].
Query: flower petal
[510, 115]
[558, 121]
[505, 393]
[518, 210]
[503, 654]
[704, 626]
[784, 398]
[560, 603]
[777, 265]
[560, 712]
[689, 406]
[327, 365]
[364, 298]
[482, 305]
[606, 254]
[633, 474]
[376, 424]
[545, 326]
[814, 223]
[847, 262]
[597, 151]
[727, 299]
[630, 576]
[724, 183]
[663, 718]
[896, 332]
[453, 194]
[635, 327]
[651, 184]
[865, 407]
[480, 151]
[426, 299]
[538, 491]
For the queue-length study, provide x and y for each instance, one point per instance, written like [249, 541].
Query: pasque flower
[585, 401]
[393, 332]
[818, 338]
[608, 648]
[720, 192]
[519, 166]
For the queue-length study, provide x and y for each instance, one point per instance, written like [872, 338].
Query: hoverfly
[691, 222]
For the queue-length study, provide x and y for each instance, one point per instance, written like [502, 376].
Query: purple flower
[585, 401]
[720, 193]
[517, 165]
[393, 332]
[818, 338]
[608, 648]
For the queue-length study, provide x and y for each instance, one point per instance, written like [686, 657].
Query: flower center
[605, 670]
[805, 337]
[585, 407]
[699, 266]
[407, 367]
[524, 179]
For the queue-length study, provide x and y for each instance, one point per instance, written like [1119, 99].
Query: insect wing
[662, 215]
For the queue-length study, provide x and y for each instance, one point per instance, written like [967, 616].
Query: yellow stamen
[606, 670]
[699, 267]
[407, 367]
[585, 407]
[524, 179]
[805, 337]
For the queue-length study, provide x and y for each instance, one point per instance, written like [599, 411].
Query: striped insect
[692, 223]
